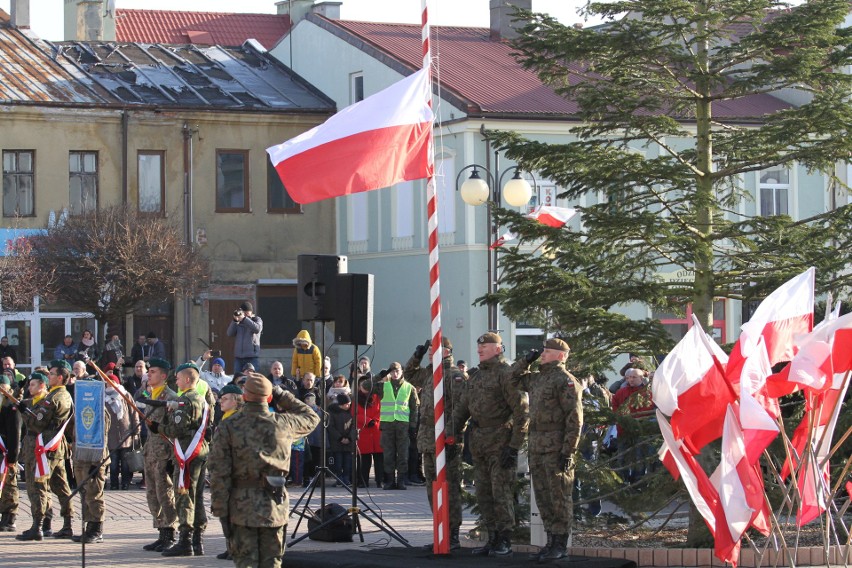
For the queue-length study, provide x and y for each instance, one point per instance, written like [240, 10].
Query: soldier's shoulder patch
[40, 415]
[178, 418]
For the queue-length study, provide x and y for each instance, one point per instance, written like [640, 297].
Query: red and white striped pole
[440, 496]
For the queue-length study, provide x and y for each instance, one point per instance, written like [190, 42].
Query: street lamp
[476, 191]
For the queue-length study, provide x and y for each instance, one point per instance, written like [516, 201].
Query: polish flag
[690, 386]
[510, 236]
[553, 216]
[759, 428]
[784, 314]
[375, 143]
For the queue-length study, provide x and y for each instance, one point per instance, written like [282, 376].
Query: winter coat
[247, 331]
[367, 421]
[341, 425]
[307, 360]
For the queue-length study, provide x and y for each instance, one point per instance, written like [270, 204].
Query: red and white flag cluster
[556, 217]
[707, 395]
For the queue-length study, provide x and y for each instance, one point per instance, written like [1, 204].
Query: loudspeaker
[353, 324]
[316, 294]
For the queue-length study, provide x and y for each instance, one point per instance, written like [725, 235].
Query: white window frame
[775, 186]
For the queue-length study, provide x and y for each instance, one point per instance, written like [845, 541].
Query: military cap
[40, 376]
[490, 337]
[446, 343]
[4, 379]
[185, 366]
[60, 364]
[394, 365]
[161, 363]
[258, 384]
[343, 398]
[556, 344]
[231, 389]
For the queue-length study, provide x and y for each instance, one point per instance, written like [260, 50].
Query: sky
[46, 15]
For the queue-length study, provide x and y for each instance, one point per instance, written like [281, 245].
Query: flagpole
[440, 495]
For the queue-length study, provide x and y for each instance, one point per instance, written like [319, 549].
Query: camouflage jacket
[182, 424]
[156, 445]
[248, 446]
[454, 382]
[51, 413]
[556, 408]
[498, 410]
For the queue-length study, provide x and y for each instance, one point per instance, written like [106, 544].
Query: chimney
[20, 13]
[502, 26]
[298, 9]
[90, 26]
[330, 10]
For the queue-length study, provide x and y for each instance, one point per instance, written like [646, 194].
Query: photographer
[246, 327]
[215, 377]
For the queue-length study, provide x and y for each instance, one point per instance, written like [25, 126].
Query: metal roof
[200, 28]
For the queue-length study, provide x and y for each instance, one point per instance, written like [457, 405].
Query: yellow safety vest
[395, 409]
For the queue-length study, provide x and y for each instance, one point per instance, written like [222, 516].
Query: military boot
[489, 544]
[9, 525]
[545, 549]
[94, 533]
[455, 543]
[46, 529]
[198, 542]
[168, 540]
[504, 544]
[558, 550]
[183, 547]
[225, 555]
[65, 531]
[33, 533]
[400, 482]
[156, 543]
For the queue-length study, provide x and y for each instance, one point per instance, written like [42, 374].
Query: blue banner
[89, 414]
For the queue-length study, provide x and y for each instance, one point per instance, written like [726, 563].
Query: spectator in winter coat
[306, 357]
[122, 421]
[247, 328]
[341, 437]
[367, 410]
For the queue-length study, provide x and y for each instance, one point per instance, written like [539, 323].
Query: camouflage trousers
[9, 498]
[39, 491]
[190, 503]
[160, 492]
[257, 547]
[454, 484]
[93, 491]
[395, 443]
[553, 489]
[495, 492]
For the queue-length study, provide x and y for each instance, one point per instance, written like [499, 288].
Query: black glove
[226, 526]
[450, 448]
[508, 458]
[421, 350]
[154, 427]
[383, 373]
[532, 355]
[277, 393]
[566, 463]
[371, 423]
[22, 407]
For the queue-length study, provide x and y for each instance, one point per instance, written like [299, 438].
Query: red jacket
[633, 401]
[369, 412]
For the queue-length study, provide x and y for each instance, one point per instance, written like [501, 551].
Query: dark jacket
[341, 425]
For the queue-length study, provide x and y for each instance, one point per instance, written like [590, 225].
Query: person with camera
[246, 327]
[215, 377]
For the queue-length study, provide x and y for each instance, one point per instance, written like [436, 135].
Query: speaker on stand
[353, 324]
[316, 294]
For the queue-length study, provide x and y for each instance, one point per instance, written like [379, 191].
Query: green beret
[41, 376]
[185, 366]
[231, 389]
[4, 379]
[161, 363]
[60, 364]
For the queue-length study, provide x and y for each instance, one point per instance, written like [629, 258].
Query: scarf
[228, 414]
[115, 403]
[88, 342]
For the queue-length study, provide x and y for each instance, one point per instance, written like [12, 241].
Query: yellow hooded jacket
[305, 359]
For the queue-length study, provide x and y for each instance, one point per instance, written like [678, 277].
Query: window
[677, 326]
[774, 191]
[278, 200]
[444, 186]
[82, 182]
[277, 306]
[18, 183]
[356, 87]
[152, 181]
[232, 181]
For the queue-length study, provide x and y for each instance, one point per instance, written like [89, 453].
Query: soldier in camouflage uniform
[52, 411]
[556, 417]
[157, 455]
[185, 423]
[499, 417]
[251, 445]
[10, 432]
[421, 378]
[93, 492]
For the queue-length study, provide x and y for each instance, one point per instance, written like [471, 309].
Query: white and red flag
[42, 466]
[375, 143]
[553, 216]
[690, 386]
[784, 314]
[501, 240]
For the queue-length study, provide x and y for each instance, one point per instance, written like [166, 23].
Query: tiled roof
[28, 74]
[201, 28]
[481, 76]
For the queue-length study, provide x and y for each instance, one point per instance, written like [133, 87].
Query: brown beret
[394, 365]
[490, 337]
[556, 344]
[257, 384]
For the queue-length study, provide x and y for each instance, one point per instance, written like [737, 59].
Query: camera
[216, 353]
[238, 313]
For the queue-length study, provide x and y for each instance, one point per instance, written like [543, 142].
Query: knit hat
[246, 307]
[40, 376]
[231, 389]
[115, 380]
[109, 366]
[310, 395]
[257, 384]
[248, 368]
[161, 363]
[218, 361]
[490, 337]
[343, 398]
[556, 344]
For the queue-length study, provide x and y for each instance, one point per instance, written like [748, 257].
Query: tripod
[319, 479]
